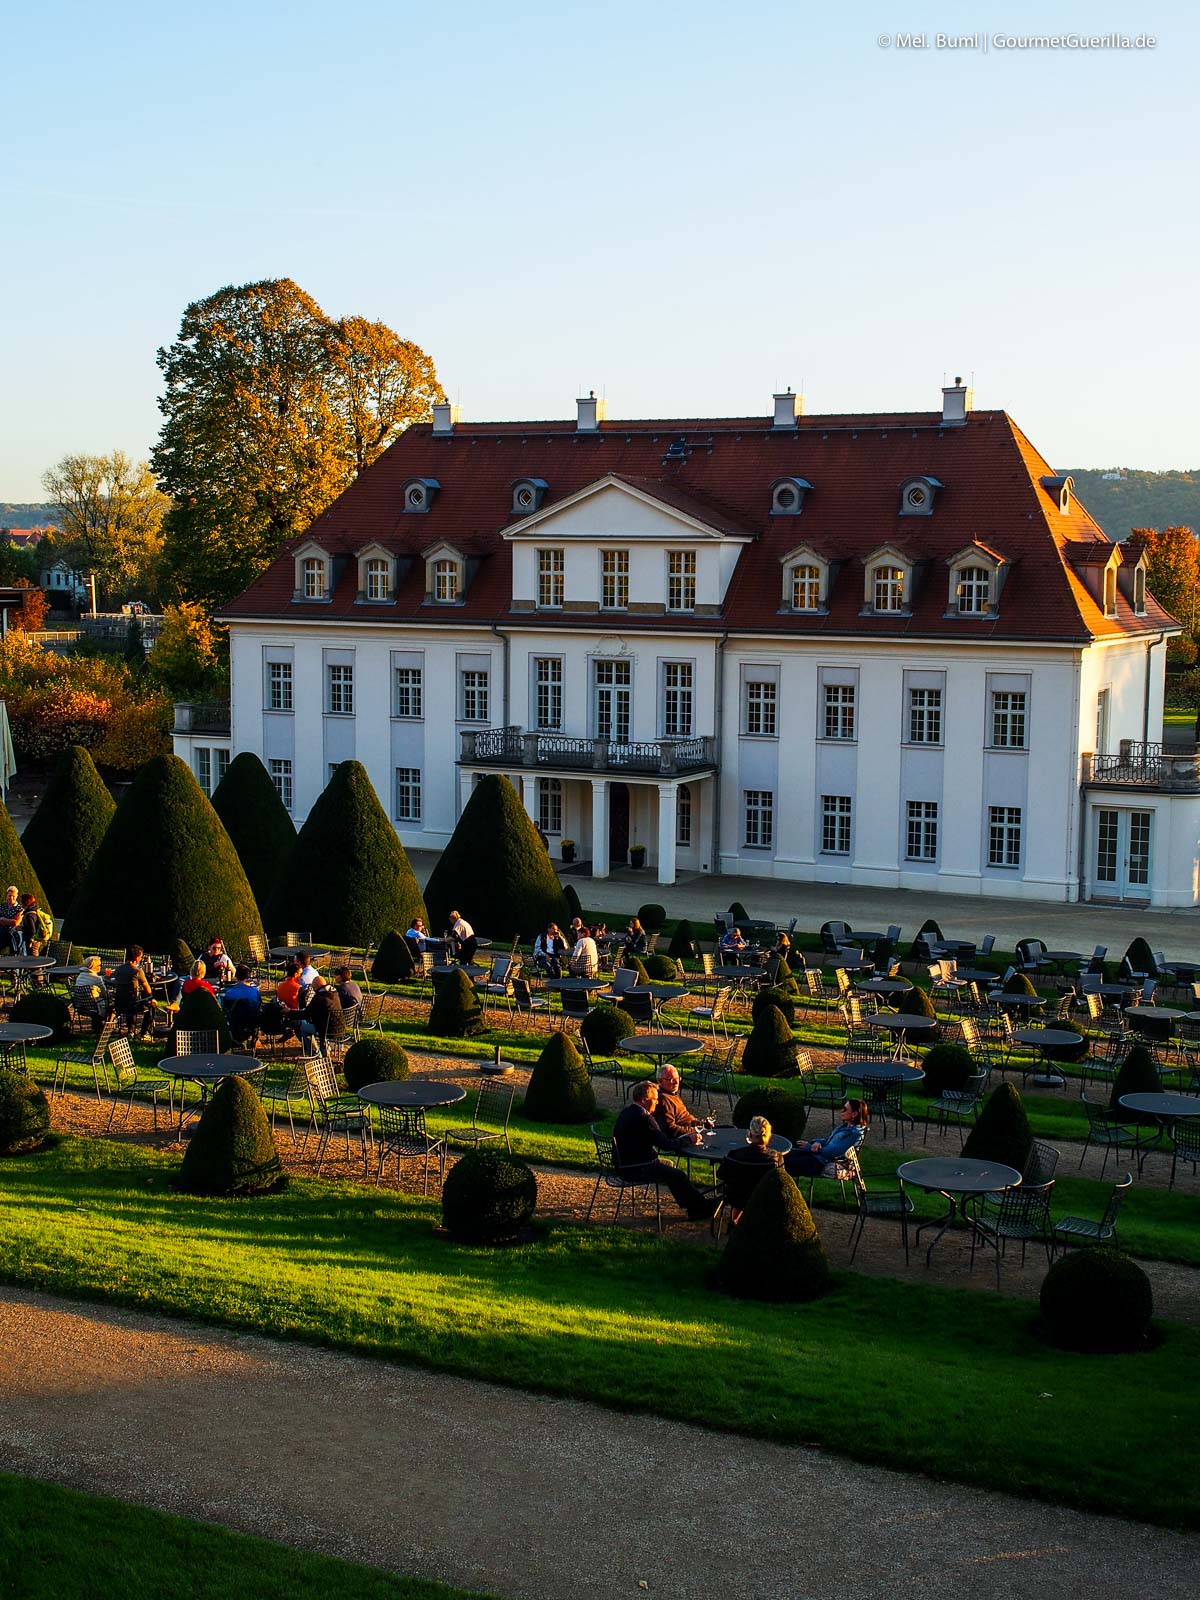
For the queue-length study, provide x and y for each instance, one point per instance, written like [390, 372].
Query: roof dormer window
[445, 584]
[314, 573]
[1139, 590]
[917, 496]
[1110, 591]
[527, 495]
[445, 575]
[1060, 486]
[787, 496]
[419, 493]
[887, 588]
[976, 579]
[972, 594]
[805, 581]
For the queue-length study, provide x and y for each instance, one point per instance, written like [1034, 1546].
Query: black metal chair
[403, 1134]
[712, 1072]
[1041, 1164]
[1185, 1145]
[885, 1096]
[1017, 1216]
[957, 1107]
[610, 1176]
[332, 1112]
[1106, 1130]
[493, 1104]
[1073, 1231]
[878, 1203]
[131, 1084]
[95, 1057]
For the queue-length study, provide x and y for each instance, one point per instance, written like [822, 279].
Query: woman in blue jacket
[810, 1160]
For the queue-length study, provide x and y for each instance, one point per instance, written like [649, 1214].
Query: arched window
[889, 589]
[974, 591]
[683, 815]
[445, 581]
[806, 588]
[378, 578]
[314, 580]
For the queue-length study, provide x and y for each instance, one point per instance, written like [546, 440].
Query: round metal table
[1044, 1039]
[14, 1036]
[443, 969]
[661, 1045]
[19, 966]
[416, 1093]
[660, 991]
[1022, 1002]
[884, 986]
[1164, 1108]
[901, 1024]
[717, 1143]
[575, 985]
[1155, 1022]
[282, 952]
[881, 1072]
[205, 1068]
[956, 1178]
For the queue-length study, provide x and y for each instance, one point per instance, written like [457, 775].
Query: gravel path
[494, 1489]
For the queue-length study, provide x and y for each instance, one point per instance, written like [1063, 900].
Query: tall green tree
[269, 411]
[111, 512]
[1173, 570]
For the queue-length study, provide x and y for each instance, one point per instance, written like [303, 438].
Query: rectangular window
[279, 686]
[681, 580]
[1102, 704]
[379, 578]
[839, 711]
[613, 688]
[549, 803]
[204, 769]
[836, 810]
[889, 588]
[614, 580]
[408, 794]
[408, 692]
[1008, 720]
[1004, 836]
[922, 830]
[760, 819]
[281, 777]
[924, 716]
[313, 578]
[760, 708]
[445, 581]
[548, 684]
[474, 697]
[683, 815]
[677, 699]
[341, 691]
[551, 567]
[220, 765]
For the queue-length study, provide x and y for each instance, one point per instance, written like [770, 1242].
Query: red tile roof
[992, 494]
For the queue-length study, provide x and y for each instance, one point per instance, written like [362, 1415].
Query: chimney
[591, 413]
[788, 407]
[957, 401]
[444, 417]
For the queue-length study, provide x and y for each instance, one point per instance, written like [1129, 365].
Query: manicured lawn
[944, 1381]
[59, 1545]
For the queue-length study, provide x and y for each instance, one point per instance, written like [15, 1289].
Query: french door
[1123, 845]
[613, 689]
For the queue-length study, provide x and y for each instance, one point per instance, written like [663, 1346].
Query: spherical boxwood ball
[604, 1027]
[24, 1114]
[488, 1197]
[374, 1059]
[1097, 1300]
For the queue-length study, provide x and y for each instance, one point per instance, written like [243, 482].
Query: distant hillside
[26, 515]
[1140, 499]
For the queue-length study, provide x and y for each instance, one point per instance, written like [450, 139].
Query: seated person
[549, 948]
[745, 1164]
[461, 937]
[809, 1160]
[348, 992]
[322, 1019]
[242, 1003]
[635, 939]
[417, 936]
[672, 1116]
[637, 1138]
[216, 960]
[89, 992]
[732, 942]
[11, 912]
[308, 974]
[584, 961]
[196, 979]
[287, 990]
[131, 990]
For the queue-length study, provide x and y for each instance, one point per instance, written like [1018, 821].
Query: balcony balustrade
[211, 717]
[1142, 765]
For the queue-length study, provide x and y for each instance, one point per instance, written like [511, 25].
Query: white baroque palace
[879, 649]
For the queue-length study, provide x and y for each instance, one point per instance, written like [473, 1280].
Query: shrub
[494, 869]
[1097, 1300]
[165, 870]
[775, 1252]
[15, 865]
[1137, 1074]
[930, 929]
[200, 1010]
[24, 1114]
[45, 1009]
[661, 969]
[739, 913]
[488, 1197]
[1141, 958]
[946, 1066]
[918, 1003]
[633, 963]
[770, 1050]
[785, 1110]
[257, 822]
[63, 834]
[393, 961]
[682, 941]
[377, 1058]
[347, 875]
[574, 904]
[456, 1012]
[232, 1151]
[181, 956]
[603, 1028]
[652, 917]
[1018, 984]
[559, 1088]
[780, 997]
[1002, 1132]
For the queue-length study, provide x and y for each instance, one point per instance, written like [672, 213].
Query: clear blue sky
[684, 206]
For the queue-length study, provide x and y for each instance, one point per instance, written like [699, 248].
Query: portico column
[529, 795]
[666, 833]
[599, 827]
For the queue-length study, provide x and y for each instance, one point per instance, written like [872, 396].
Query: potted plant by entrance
[568, 849]
[637, 855]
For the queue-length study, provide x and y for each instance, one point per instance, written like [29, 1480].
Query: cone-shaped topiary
[633, 963]
[783, 1108]
[919, 1004]
[256, 819]
[200, 1010]
[24, 1114]
[393, 961]
[739, 913]
[775, 1252]
[603, 1028]
[488, 1197]
[165, 870]
[1002, 1132]
[63, 834]
[770, 1050]
[776, 996]
[1097, 1300]
[559, 1087]
[571, 896]
[661, 969]
[375, 1058]
[232, 1150]
[15, 866]
[946, 1066]
[46, 1009]
[456, 1012]
[784, 979]
[652, 917]
[682, 941]
[181, 956]
[1141, 958]
[1137, 1074]
[494, 869]
[1018, 983]
[347, 875]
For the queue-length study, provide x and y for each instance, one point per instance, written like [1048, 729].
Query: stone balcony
[655, 758]
[202, 716]
[1173, 768]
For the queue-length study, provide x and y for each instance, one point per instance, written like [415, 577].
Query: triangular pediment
[613, 508]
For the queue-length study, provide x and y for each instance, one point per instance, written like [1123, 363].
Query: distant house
[64, 586]
[1114, 477]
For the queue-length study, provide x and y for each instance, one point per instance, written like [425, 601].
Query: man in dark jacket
[322, 1019]
[637, 1139]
